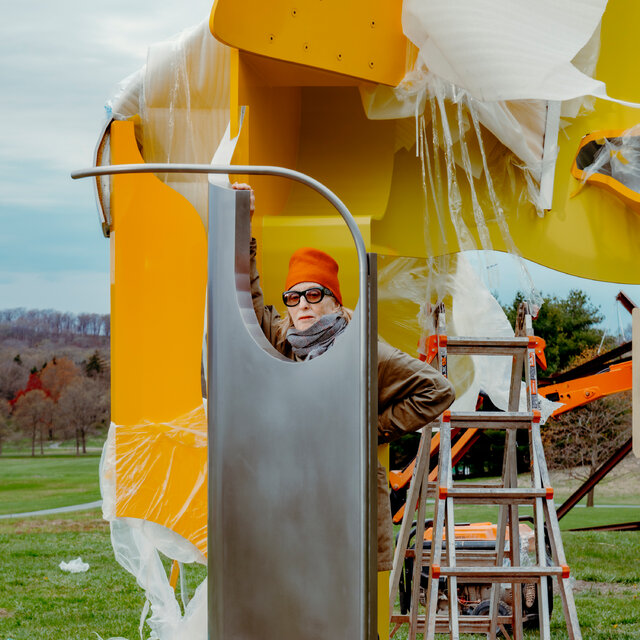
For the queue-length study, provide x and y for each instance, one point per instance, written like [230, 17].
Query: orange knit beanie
[313, 265]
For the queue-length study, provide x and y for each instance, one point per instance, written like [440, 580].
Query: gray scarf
[315, 340]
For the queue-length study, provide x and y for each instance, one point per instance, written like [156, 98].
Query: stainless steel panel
[292, 487]
[292, 470]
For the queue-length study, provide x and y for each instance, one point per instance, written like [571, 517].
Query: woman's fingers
[242, 186]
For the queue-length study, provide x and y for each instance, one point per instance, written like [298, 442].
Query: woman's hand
[241, 186]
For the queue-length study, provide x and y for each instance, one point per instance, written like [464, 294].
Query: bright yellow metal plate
[373, 167]
[361, 38]
[158, 282]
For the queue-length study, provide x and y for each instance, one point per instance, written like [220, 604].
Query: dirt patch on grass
[58, 525]
[604, 588]
[5, 613]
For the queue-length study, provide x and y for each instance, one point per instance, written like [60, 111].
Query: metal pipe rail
[282, 172]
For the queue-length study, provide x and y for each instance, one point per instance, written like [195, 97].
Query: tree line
[34, 324]
[53, 386]
[54, 378]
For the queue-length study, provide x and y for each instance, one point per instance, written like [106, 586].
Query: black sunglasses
[312, 296]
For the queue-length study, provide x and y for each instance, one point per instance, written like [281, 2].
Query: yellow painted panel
[361, 38]
[281, 236]
[158, 267]
[157, 293]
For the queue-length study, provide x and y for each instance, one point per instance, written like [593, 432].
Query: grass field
[47, 482]
[40, 602]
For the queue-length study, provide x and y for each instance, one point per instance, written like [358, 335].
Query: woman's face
[304, 314]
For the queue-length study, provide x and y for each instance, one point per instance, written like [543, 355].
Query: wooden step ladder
[450, 566]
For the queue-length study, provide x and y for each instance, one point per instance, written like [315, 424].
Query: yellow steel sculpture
[298, 69]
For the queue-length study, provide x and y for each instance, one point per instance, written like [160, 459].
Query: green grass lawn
[46, 482]
[39, 601]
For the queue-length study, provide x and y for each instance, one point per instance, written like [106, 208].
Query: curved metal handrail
[282, 172]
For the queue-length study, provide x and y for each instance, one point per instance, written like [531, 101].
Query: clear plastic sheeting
[464, 166]
[505, 49]
[519, 125]
[182, 99]
[450, 136]
[409, 288]
[163, 457]
[504, 60]
[619, 158]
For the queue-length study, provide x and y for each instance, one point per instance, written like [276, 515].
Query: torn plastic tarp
[611, 160]
[182, 99]
[507, 105]
[506, 49]
[139, 543]
[408, 289]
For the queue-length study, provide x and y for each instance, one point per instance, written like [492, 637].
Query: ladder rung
[500, 574]
[467, 555]
[486, 346]
[467, 624]
[494, 496]
[493, 419]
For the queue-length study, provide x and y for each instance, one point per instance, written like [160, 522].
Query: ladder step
[465, 553]
[467, 624]
[487, 346]
[494, 496]
[492, 419]
[500, 574]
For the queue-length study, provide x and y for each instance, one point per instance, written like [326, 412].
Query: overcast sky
[60, 63]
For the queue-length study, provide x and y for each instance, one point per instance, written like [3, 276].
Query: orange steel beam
[581, 391]
[400, 479]
[458, 450]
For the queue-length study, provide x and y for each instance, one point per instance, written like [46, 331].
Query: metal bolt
[371, 65]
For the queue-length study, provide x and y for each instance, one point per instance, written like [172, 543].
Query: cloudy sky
[61, 62]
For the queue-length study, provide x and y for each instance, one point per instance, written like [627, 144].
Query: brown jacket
[410, 395]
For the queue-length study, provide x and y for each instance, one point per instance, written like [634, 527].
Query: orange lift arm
[580, 391]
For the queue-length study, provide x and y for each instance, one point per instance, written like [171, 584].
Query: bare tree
[83, 407]
[579, 441]
[13, 377]
[5, 411]
[32, 325]
[33, 413]
[58, 374]
[106, 325]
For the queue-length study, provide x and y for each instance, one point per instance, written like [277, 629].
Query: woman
[410, 393]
